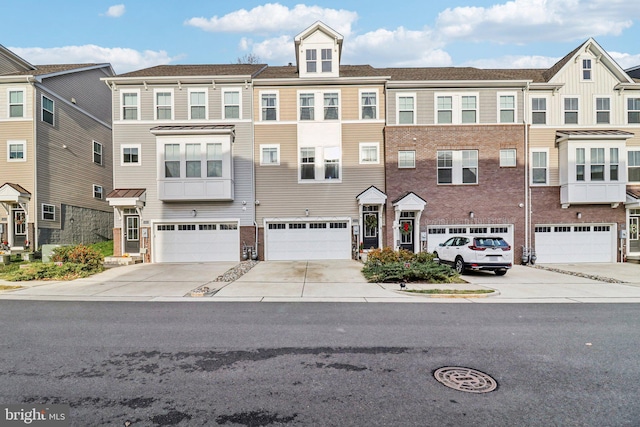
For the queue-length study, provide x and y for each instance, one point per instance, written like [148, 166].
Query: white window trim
[564, 111]
[626, 108]
[156, 91]
[595, 109]
[591, 70]
[42, 212]
[515, 157]
[415, 107]
[24, 102]
[206, 102]
[369, 144]
[307, 61]
[24, 150]
[539, 150]
[626, 164]
[232, 89]
[515, 107]
[457, 168]
[42, 109]
[414, 159]
[139, 113]
[277, 147]
[588, 163]
[138, 146]
[546, 110]
[318, 105]
[277, 94]
[361, 106]
[95, 188]
[93, 142]
[319, 164]
[456, 106]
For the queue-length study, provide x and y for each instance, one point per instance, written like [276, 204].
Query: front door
[370, 238]
[19, 228]
[406, 234]
[634, 236]
[132, 234]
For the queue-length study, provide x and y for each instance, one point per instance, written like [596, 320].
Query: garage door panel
[196, 242]
[575, 244]
[308, 241]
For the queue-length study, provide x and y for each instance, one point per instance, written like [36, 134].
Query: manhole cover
[465, 379]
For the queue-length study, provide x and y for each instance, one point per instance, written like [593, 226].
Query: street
[322, 364]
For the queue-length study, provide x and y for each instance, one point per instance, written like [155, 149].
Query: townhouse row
[316, 160]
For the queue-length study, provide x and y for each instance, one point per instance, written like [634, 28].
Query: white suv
[476, 253]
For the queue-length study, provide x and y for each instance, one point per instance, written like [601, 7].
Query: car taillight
[476, 248]
[507, 248]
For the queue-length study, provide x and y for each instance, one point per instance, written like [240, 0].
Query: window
[163, 104]
[269, 102]
[457, 167]
[47, 110]
[312, 66]
[330, 106]
[214, 160]
[97, 153]
[586, 69]
[580, 164]
[16, 103]
[326, 60]
[369, 153]
[445, 109]
[332, 163]
[603, 110]
[469, 109]
[130, 155]
[539, 167]
[307, 163]
[406, 159]
[539, 111]
[193, 159]
[369, 105]
[16, 151]
[406, 109]
[130, 105]
[507, 109]
[231, 104]
[614, 164]
[633, 110]
[172, 160]
[306, 106]
[597, 164]
[634, 166]
[570, 111]
[508, 158]
[197, 104]
[270, 154]
[48, 212]
[97, 191]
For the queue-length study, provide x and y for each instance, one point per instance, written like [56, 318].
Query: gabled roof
[318, 26]
[125, 193]
[203, 70]
[16, 187]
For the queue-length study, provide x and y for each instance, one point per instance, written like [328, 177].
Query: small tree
[248, 58]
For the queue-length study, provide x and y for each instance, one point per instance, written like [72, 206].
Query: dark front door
[406, 234]
[370, 238]
[19, 228]
[132, 234]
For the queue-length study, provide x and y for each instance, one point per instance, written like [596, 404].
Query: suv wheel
[501, 272]
[459, 265]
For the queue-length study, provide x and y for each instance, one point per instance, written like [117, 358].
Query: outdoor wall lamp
[194, 213]
[579, 215]
[306, 212]
[471, 214]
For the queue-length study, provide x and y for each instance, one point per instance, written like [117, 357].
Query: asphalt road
[321, 364]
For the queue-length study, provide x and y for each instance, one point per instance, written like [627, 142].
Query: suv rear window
[490, 242]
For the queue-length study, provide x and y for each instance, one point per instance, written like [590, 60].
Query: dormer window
[326, 60]
[586, 69]
[312, 59]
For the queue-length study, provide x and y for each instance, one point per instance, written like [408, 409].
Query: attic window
[326, 60]
[586, 69]
[312, 67]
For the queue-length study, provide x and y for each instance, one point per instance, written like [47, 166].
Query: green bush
[387, 265]
[89, 258]
[49, 271]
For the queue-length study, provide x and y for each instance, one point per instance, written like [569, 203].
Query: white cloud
[115, 11]
[274, 18]
[513, 61]
[275, 51]
[522, 21]
[625, 60]
[122, 59]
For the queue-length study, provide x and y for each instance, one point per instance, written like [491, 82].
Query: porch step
[116, 261]
[634, 259]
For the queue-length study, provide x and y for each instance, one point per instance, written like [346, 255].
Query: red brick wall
[247, 237]
[117, 242]
[494, 200]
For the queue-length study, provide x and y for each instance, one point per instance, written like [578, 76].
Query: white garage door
[440, 234]
[312, 240]
[575, 243]
[190, 242]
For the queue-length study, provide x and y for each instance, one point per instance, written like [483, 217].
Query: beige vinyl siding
[281, 195]
[21, 173]
[4, 100]
[7, 66]
[546, 138]
[67, 175]
[90, 94]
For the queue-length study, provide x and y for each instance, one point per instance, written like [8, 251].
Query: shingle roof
[16, 187]
[291, 72]
[126, 193]
[197, 70]
[548, 74]
[594, 133]
[50, 69]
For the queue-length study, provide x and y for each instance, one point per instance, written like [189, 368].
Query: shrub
[48, 271]
[90, 259]
[387, 265]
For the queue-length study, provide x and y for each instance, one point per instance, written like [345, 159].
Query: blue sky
[135, 34]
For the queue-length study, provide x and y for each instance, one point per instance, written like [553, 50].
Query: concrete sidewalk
[330, 281]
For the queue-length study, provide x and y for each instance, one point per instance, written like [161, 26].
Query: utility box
[47, 252]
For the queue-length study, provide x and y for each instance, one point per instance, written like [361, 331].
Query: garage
[309, 240]
[196, 242]
[564, 243]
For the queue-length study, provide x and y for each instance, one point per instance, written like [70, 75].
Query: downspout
[527, 188]
[34, 244]
[254, 254]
